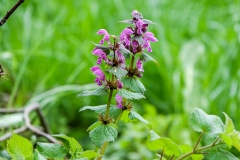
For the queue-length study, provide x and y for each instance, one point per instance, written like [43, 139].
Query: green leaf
[148, 21]
[124, 51]
[134, 115]
[101, 109]
[220, 155]
[130, 95]
[229, 126]
[235, 136]
[103, 48]
[166, 144]
[127, 21]
[75, 147]
[103, 133]
[202, 122]
[117, 71]
[146, 57]
[101, 91]
[16, 150]
[51, 150]
[152, 136]
[89, 154]
[134, 84]
[38, 156]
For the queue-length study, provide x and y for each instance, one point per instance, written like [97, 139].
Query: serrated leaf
[89, 154]
[127, 21]
[103, 133]
[103, 48]
[124, 50]
[75, 147]
[166, 144]
[134, 84]
[38, 156]
[148, 21]
[130, 95]
[117, 71]
[101, 91]
[16, 150]
[152, 136]
[101, 109]
[146, 57]
[229, 126]
[220, 155]
[202, 122]
[51, 150]
[134, 115]
[235, 136]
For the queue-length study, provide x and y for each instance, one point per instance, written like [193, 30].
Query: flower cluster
[133, 40]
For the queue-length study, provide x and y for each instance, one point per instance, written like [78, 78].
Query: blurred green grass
[47, 44]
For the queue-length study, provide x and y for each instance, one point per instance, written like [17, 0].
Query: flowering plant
[118, 70]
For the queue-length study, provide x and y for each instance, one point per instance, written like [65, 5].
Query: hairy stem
[199, 139]
[132, 62]
[162, 154]
[109, 103]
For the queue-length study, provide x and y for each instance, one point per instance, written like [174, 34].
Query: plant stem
[199, 139]
[118, 118]
[196, 151]
[162, 154]
[132, 62]
[109, 103]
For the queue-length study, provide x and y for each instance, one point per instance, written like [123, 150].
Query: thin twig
[9, 13]
[26, 113]
[9, 134]
[43, 121]
[10, 110]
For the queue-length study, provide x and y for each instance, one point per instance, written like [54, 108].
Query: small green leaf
[124, 51]
[38, 156]
[16, 150]
[229, 126]
[220, 155]
[101, 91]
[127, 21]
[202, 122]
[152, 136]
[235, 136]
[146, 57]
[103, 48]
[130, 95]
[148, 21]
[134, 84]
[166, 144]
[89, 154]
[103, 133]
[118, 72]
[75, 147]
[101, 109]
[134, 115]
[51, 150]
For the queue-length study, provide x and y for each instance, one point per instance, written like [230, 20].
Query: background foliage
[45, 48]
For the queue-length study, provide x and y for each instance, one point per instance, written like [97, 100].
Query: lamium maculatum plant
[118, 70]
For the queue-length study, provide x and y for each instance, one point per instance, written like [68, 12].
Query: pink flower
[139, 65]
[119, 84]
[101, 55]
[119, 101]
[149, 37]
[105, 37]
[125, 36]
[99, 73]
